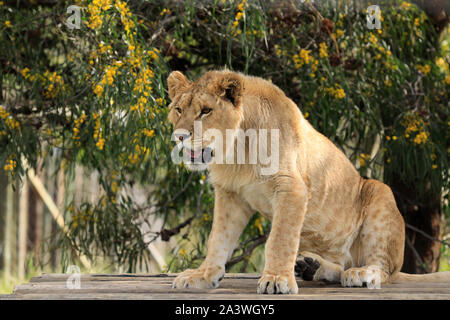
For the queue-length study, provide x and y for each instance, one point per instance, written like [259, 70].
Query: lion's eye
[205, 110]
[178, 110]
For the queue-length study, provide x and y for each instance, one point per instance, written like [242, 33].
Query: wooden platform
[233, 286]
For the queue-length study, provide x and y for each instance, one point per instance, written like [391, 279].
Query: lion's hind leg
[381, 240]
[310, 266]
[371, 276]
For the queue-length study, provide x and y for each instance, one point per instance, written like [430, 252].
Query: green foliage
[96, 96]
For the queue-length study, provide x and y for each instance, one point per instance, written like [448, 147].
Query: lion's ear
[230, 87]
[175, 82]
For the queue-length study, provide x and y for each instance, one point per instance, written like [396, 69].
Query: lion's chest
[258, 196]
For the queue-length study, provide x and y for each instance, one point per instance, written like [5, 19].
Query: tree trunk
[421, 253]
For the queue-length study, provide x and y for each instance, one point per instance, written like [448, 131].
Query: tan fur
[317, 201]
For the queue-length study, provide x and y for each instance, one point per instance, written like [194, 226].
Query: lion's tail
[401, 277]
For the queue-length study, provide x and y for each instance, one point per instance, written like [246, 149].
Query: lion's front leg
[289, 206]
[231, 215]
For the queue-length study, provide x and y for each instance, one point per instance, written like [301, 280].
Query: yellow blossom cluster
[165, 11]
[417, 22]
[102, 48]
[373, 39]
[302, 58]
[10, 165]
[81, 217]
[148, 132]
[25, 72]
[140, 152]
[98, 135]
[339, 33]
[76, 128]
[10, 122]
[95, 10]
[425, 69]
[405, 5]
[421, 138]
[125, 15]
[413, 124]
[323, 50]
[447, 79]
[54, 84]
[143, 82]
[239, 15]
[256, 33]
[363, 158]
[337, 92]
[108, 78]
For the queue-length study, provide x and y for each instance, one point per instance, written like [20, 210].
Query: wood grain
[233, 286]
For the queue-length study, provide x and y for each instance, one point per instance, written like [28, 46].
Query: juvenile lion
[346, 228]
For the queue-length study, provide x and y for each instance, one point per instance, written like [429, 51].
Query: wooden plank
[225, 289]
[200, 296]
[234, 286]
[127, 276]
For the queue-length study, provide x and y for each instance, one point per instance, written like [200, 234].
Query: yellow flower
[100, 143]
[323, 53]
[114, 187]
[424, 69]
[363, 157]
[239, 16]
[25, 72]
[434, 166]
[8, 24]
[421, 138]
[417, 22]
[447, 79]
[405, 5]
[302, 58]
[10, 165]
[98, 90]
[373, 39]
[337, 92]
[182, 252]
[388, 82]
[148, 132]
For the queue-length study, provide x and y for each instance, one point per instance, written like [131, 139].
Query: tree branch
[426, 235]
[256, 242]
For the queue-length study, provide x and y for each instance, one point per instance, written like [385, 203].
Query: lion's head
[212, 103]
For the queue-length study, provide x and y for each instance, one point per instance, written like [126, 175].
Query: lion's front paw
[277, 283]
[207, 278]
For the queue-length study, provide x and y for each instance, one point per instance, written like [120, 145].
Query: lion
[327, 222]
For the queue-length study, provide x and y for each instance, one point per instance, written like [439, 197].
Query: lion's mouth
[200, 156]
